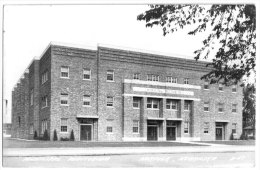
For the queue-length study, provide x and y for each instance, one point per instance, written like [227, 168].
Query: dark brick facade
[122, 122]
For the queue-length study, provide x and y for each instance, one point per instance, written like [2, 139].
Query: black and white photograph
[129, 84]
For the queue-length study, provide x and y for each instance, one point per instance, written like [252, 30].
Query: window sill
[111, 81]
[151, 109]
[221, 91]
[206, 133]
[206, 89]
[87, 79]
[64, 77]
[109, 133]
[136, 133]
[110, 107]
[172, 110]
[64, 132]
[220, 112]
[64, 105]
[234, 112]
[206, 111]
[136, 108]
[44, 107]
[86, 106]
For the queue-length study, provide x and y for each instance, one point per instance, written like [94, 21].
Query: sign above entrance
[154, 90]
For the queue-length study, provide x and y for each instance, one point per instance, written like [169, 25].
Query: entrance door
[171, 133]
[85, 132]
[152, 133]
[219, 133]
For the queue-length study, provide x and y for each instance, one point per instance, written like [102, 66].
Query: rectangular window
[206, 127]
[31, 129]
[109, 125]
[86, 74]
[152, 103]
[86, 100]
[220, 87]
[186, 127]
[234, 108]
[171, 104]
[64, 98]
[136, 76]
[110, 75]
[149, 77]
[206, 106]
[31, 97]
[186, 81]
[136, 102]
[155, 78]
[221, 107]
[110, 101]
[44, 125]
[187, 105]
[44, 101]
[206, 85]
[135, 126]
[174, 80]
[64, 125]
[44, 77]
[234, 128]
[64, 72]
[234, 89]
[168, 79]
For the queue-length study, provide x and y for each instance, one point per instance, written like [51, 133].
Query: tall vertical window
[234, 88]
[110, 75]
[64, 72]
[86, 100]
[64, 99]
[86, 74]
[31, 97]
[151, 77]
[174, 80]
[234, 128]
[186, 81]
[206, 85]
[136, 76]
[31, 129]
[135, 126]
[168, 79]
[44, 101]
[152, 103]
[206, 127]
[64, 125]
[136, 102]
[171, 104]
[234, 108]
[110, 101]
[206, 106]
[186, 127]
[220, 107]
[109, 125]
[44, 77]
[220, 87]
[44, 125]
[187, 105]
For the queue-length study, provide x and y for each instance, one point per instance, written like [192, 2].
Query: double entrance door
[152, 133]
[220, 133]
[171, 133]
[86, 132]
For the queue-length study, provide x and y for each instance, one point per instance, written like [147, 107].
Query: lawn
[231, 142]
[13, 143]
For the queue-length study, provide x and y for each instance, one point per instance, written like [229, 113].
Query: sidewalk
[24, 152]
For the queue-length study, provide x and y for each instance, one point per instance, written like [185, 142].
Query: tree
[35, 135]
[72, 138]
[45, 135]
[249, 106]
[55, 138]
[232, 27]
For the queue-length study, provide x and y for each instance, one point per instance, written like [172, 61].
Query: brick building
[117, 94]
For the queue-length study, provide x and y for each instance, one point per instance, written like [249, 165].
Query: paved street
[177, 160]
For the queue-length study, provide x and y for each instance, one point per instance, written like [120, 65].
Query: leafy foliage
[72, 138]
[45, 135]
[35, 135]
[55, 138]
[232, 27]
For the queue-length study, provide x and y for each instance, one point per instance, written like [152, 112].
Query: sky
[29, 30]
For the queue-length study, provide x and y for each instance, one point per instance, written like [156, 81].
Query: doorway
[152, 133]
[219, 133]
[171, 133]
[86, 132]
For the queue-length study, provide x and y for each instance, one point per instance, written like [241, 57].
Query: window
[110, 75]
[31, 97]
[234, 128]
[169, 79]
[64, 72]
[136, 76]
[109, 125]
[186, 127]
[44, 125]
[234, 89]
[44, 77]
[186, 81]
[152, 103]
[86, 100]
[171, 104]
[221, 107]
[86, 74]
[31, 129]
[44, 101]
[110, 101]
[64, 97]
[64, 125]
[206, 127]
[135, 126]
[151, 77]
[187, 105]
[234, 108]
[206, 106]
[206, 85]
[220, 87]
[136, 102]
[174, 80]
